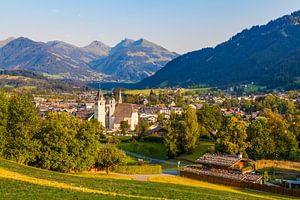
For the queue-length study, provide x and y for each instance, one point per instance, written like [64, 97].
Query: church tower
[100, 108]
[120, 97]
[111, 111]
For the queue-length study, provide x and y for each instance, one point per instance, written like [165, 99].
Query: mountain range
[267, 55]
[128, 61]
[133, 56]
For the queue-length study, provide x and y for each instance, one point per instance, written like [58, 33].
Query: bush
[153, 138]
[134, 169]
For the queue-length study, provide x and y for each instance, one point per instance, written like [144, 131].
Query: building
[111, 113]
[225, 167]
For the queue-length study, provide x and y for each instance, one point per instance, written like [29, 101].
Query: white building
[111, 113]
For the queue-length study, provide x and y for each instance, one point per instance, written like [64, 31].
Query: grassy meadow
[148, 149]
[23, 182]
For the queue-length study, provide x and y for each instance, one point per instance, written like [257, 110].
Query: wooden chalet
[228, 167]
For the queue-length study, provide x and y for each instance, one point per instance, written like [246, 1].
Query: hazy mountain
[267, 55]
[4, 42]
[129, 60]
[97, 48]
[23, 53]
[86, 54]
[133, 60]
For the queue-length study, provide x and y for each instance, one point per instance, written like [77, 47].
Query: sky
[178, 25]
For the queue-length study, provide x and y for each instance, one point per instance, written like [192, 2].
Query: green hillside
[23, 182]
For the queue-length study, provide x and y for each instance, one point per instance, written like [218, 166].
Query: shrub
[134, 169]
[153, 138]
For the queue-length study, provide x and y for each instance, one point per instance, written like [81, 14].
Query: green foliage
[232, 137]
[108, 156]
[209, 118]
[68, 144]
[22, 127]
[285, 142]
[136, 169]
[3, 120]
[142, 129]
[266, 177]
[171, 138]
[190, 131]
[149, 149]
[124, 126]
[259, 137]
[154, 138]
[182, 133]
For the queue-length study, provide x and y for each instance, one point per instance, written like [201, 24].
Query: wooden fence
[254, 186]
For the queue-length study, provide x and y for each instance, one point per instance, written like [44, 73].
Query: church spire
[120, 97]
[100, 95]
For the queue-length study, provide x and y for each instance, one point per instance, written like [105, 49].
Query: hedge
[136, 169]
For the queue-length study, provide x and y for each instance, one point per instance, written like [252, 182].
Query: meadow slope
[23, 182]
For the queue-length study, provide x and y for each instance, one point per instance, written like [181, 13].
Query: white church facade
[111, 113]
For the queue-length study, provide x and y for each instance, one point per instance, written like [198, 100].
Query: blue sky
[178, 25]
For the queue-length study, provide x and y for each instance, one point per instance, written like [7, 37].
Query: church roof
[124, 110]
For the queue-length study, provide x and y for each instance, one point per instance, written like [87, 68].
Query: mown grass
[23, 182]
[149, 149]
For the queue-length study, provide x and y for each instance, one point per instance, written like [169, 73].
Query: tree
[22, 127]
[87, 143]
[124, 126]
[232, 137]
[209, 118]
[171, 138]
[285, 141]
[3, 120]
[261, 143]
[58, 151]
[109, 156]
[189, 134]
[142, 129]
[160, 119]
[67, 143]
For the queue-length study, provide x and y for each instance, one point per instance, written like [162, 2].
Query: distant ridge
[266, 55]
[128, 61]
[133, 60]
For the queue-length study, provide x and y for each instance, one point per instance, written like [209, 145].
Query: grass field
[202, 148]
[149, 149]
[23, 182]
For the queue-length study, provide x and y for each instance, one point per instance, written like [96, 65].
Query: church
[111, 113]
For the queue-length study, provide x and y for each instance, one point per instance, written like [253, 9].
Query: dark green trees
[182, 133]
[232, 137]
[209, 118]
[259, 137]
[189, 134]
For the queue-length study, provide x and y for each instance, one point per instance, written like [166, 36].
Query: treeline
[60, 142]
[274, 134]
